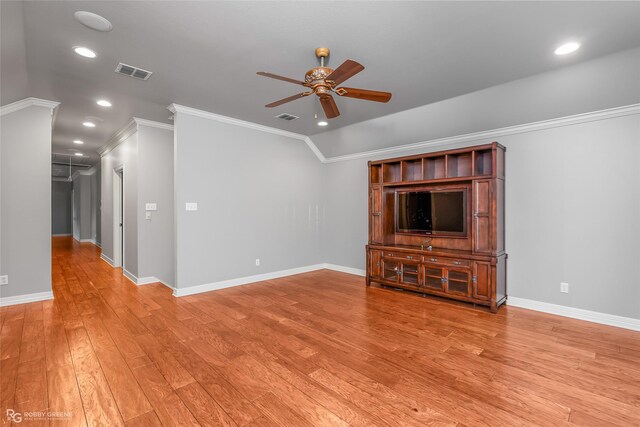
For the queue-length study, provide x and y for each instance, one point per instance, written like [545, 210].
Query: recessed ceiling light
[83, 51]
[78, 154]
[77, 141]
[89, 124]
[93, 21]
[104, 103]
[567, 48]
[322, 123]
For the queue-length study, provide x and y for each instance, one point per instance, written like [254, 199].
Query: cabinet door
[458, 282]
[410, 274]
[481, 280]
[390, 270]
[482, 216]
[376, 215]
[433, 278]
[374, 263]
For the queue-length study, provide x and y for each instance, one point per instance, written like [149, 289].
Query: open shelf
[412, 170]
[391, 172]
[376, 174]
[483, 163]
[458, 165]
[434, 167]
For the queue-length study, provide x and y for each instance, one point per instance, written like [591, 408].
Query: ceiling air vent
[131, 71]
[287, 117]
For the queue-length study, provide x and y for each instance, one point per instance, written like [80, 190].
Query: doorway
[118, 217]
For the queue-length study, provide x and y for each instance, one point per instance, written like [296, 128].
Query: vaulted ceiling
[206, 54]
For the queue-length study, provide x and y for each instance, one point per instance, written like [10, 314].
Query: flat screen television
[440, 212]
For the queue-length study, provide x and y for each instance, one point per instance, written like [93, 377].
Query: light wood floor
[314, 349]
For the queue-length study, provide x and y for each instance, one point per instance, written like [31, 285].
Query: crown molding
[118, 137]
[175, 108]
[28, 102]
[497, 133]
[151, 123]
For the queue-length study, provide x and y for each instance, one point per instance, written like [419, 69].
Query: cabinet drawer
[448, 261]
[402, 255]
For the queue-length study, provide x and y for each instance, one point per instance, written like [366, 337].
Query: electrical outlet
[257, 262]
[564, 287]
[4, 280]
[147, 215]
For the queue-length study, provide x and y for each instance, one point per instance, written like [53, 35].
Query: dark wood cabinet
[468, 262]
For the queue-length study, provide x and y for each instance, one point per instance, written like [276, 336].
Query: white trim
[129, 276]
[147, 280]
[27, 102]
[24, 299]
[489, 134]
[108, 260]
[343, 269]
[576, 313]
[496, 133]
[190, 290]
[62, 235]
[315, 149]
[60, 179]
[118, 138]
[175, 108]
[151, 123]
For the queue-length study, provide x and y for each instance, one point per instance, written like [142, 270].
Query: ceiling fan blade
[345, 71]
[329, 106]
[277, 77]
[368, 95]
[285, 100]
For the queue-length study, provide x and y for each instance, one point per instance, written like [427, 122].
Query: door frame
[118, 210]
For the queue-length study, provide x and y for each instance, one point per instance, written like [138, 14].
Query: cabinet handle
[375, 213]
[474, 279]
[409, 257]
[457, 263]
[434, 259]
[378, 263]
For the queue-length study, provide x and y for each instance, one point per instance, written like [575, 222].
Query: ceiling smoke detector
[131, 71]
[286, 116]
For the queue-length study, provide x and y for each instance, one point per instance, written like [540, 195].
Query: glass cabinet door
[410, 275]
[458, 282]
[433, 278]
[390, 270]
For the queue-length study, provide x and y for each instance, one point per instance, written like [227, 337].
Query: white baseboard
[576, 313]
[24, 299]
[147, 280]
[350, 270]
[108, 260]
[129, 276]
[180, 292]
[62, 235]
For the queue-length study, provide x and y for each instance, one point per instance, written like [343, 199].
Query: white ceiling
[205, 55]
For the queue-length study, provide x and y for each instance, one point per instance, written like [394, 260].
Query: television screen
[431, 212]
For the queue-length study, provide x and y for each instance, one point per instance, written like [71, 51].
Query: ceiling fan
[323, 80]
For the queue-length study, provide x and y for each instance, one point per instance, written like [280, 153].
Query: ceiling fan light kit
[323, 81]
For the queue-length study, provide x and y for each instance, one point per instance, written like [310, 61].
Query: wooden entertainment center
[458, 254]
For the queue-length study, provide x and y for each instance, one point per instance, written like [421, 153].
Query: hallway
[108, 352]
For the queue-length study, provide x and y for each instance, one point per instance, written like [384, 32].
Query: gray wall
[155, 185]
[124, 154]
[607, 82]
[25, 201]
[83, 218]
[61, 208]
[572, 210]
[258, 195]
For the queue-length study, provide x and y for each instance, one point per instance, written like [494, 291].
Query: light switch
[150, 207]
[191, 206]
